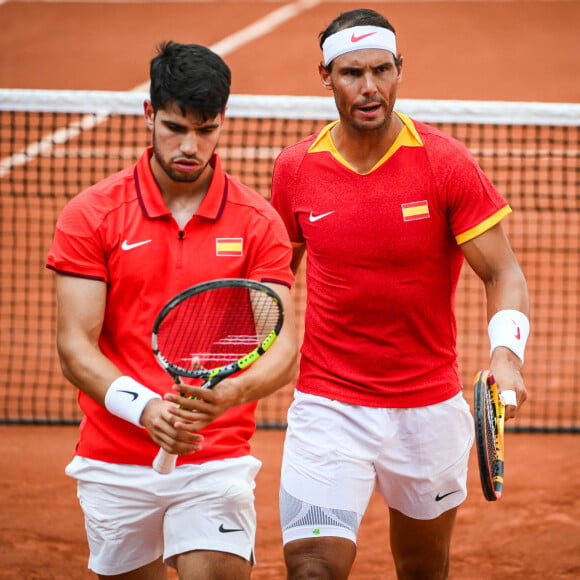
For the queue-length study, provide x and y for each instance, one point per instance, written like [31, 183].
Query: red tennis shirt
[120, 231]
[383, 262]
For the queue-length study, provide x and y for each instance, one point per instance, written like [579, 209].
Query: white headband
[358, 38]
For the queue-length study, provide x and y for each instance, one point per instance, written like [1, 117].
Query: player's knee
[306, 560]
[418, 568]
[309, 568]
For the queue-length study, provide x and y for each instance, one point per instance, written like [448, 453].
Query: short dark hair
[357, 17]
[191, 76]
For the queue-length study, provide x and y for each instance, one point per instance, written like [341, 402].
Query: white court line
[46, 145]
[252, 32]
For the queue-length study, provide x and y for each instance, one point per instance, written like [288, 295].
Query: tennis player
[387, 209]
[122, 248]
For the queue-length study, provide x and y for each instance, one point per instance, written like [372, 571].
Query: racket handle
[164, 462]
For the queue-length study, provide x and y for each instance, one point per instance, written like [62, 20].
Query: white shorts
[335, 454]
[133, 515]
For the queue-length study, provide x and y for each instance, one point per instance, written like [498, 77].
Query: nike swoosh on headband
[354, 38]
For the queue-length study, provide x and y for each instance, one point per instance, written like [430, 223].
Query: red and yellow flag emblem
[229, 246]
[417, 210]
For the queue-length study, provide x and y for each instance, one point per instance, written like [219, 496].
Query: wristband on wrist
[509, 328]
[127, 399]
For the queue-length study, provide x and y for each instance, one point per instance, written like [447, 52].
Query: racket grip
[164, 462]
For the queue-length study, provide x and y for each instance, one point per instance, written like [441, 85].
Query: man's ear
[149, 114]
[324, 77]
[400, 66]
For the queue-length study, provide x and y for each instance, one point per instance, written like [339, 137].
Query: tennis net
[53, 144]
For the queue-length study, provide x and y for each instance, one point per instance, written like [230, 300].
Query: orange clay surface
[499, 50]
[531, 533]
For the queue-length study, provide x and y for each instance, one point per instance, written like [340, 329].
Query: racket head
[489, 434]
[216, 328]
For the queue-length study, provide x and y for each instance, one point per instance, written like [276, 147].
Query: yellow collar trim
[407, 137]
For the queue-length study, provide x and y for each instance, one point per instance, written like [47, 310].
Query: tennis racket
[213, 330]
[489, 414]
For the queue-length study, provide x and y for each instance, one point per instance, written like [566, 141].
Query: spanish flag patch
[229, 246]
[417, 210]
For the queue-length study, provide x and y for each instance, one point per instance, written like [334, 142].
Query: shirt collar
[407, 137]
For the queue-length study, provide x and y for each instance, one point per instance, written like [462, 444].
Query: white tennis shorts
[133, 515]
[335, 454]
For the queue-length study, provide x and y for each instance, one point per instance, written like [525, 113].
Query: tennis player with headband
[387, 209]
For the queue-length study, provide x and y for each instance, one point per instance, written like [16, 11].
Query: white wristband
[509, 328]
[127, 399]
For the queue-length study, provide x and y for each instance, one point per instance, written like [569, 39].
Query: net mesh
[54, 144]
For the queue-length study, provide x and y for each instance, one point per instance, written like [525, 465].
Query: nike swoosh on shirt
[314, 218]
[354, 38]
[127, 246]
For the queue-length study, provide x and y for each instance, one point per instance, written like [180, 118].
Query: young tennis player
[121, 250]
[387, 209]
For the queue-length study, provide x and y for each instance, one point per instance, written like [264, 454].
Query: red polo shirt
[384, 257]
[121, 232]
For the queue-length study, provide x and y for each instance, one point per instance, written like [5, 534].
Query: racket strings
[216, 327]
[266, 314]
[489, 436]
[490, 433]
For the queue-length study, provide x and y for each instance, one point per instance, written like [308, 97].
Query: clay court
[500, 50]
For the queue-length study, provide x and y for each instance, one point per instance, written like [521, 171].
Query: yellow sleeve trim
[483, 226]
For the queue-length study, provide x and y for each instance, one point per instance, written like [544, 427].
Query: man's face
[365, 84]
[183, 145]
